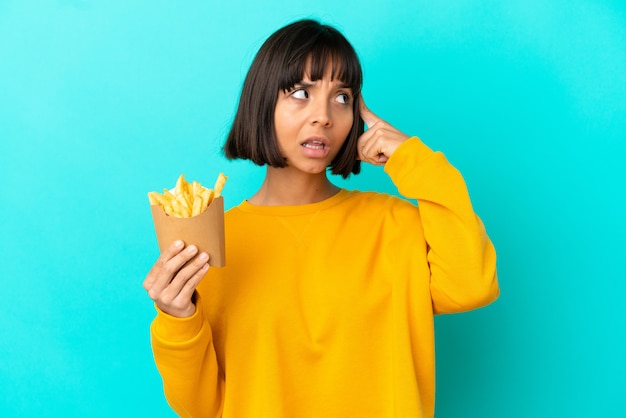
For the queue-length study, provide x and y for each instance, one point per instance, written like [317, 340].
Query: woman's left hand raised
[380, 140]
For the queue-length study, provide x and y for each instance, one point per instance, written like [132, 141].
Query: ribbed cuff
[178, 330]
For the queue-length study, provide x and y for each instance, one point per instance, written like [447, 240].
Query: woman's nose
[321, 113]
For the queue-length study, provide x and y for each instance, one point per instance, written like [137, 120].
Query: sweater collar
[297, 209]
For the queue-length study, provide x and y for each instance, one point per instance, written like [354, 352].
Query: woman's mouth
[314, 145]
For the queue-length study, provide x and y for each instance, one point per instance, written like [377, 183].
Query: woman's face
[312, 121]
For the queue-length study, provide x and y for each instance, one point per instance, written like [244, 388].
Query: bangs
[314, 54]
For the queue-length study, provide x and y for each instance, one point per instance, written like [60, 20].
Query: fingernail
[203, 256]
[191, 249]
[178, 244]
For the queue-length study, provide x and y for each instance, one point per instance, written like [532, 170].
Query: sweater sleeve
[461, 256]
[185, 357]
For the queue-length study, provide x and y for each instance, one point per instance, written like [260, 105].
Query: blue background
[103, 101]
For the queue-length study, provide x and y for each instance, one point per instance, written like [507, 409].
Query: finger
[371, 152]
[368, 117]
[165, 256]
[366, 143]
[185, 275]
[190, 285]
[381, 159]
[168, 271]
[374, 144]
[177, 298]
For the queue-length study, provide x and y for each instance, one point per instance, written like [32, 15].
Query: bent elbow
[483, 293]
[474, 293]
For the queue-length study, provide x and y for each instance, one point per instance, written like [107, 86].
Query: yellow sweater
[326, 309]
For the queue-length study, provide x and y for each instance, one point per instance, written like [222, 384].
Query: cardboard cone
[205, 231]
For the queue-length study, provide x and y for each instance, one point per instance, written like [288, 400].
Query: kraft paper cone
[205, 231]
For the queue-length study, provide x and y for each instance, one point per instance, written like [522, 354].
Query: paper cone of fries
[191, 213]
[205, 231]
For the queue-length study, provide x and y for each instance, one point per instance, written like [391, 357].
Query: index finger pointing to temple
[368, 117]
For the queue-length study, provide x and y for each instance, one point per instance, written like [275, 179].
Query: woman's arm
[185, 357]
[181, 337]
[461, 256]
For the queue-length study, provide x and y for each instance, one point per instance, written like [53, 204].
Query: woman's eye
[300, 94]
[343, 98]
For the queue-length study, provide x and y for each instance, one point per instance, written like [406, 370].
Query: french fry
[196, 188]
[207, 197]
[219, 184]
[168, 195]
[180, 185]
[169, 210]
[187, 199]
[184, 203]
[157, 199]
[197, 207]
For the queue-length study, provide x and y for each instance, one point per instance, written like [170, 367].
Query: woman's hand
[380, 140]
[172, 281]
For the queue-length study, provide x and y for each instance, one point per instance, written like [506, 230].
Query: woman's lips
[314, 144]
[316, 147]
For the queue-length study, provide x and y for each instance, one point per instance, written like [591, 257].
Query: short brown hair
[278, 66]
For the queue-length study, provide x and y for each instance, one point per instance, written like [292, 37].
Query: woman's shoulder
[375, 197]
[380, 201]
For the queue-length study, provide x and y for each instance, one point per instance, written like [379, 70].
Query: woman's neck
[283, 187]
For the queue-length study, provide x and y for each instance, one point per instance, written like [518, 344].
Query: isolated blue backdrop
[103, 101]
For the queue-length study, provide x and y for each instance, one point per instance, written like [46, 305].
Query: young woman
[326, 306]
